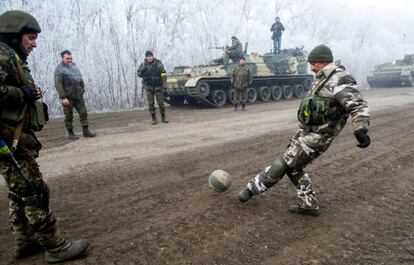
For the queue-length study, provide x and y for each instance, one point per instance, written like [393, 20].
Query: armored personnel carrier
[399, 73]
[275, 77]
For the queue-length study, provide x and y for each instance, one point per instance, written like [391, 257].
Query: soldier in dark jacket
[277, 28]
[241, 79]
[32, 222]
[70, 87]
[233, 52]
[154, 80]
[322, 115]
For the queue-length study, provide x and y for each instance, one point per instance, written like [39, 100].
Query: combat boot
[87, 133]
[308, 204]
[72, 135]
[163, 118]
[153, 119]
[243, 106]
[235, 107]
[245, 195]
[27, 249]
[69, 250]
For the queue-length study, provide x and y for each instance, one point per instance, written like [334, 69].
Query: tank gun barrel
[218, 48]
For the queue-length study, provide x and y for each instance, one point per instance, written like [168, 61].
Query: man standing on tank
[322, 115]
[153, 74]
[70, 87]
[33, 224]
[277, 28]
[241, 79]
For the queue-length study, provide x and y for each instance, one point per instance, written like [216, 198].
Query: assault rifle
[43, 192]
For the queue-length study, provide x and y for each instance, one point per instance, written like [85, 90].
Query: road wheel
[287, 91]
[230, 94]
[299, 91]
[203, 88]
[276, 92]
[218, 97]
[251, 95]
[264, 93]
[307, 83]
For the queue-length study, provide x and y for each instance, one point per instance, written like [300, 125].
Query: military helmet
[320, 54]
[16, 21]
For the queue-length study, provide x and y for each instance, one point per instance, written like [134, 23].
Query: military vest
[315, 110]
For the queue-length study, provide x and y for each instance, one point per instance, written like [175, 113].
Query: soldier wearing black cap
[32, 222]
[153, 75]
[322, 115]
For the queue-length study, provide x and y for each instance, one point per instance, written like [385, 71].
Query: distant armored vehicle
[400, 73]
[276, 76]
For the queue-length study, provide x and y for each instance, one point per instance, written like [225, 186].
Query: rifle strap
[23, 81]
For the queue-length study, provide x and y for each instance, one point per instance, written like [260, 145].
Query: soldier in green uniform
[154, 80]
[32, 222]
[70, 87]
[241, 79]
[322, 115]
[233, 52]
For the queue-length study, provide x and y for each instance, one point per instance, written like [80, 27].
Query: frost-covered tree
[109, 38]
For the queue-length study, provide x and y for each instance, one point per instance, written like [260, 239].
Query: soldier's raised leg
[292, 163]
[80, 106]
[68, 112]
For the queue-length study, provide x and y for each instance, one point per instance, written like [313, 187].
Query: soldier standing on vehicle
[233, 52]
[322, 115]
[32, 223]
[277, 28]
[241, 79]
[154, 77]
[70, 87]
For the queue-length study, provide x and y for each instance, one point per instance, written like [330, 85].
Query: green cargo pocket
[39, 116]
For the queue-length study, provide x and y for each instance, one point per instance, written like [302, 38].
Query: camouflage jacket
[153, 74]
[242, 76]
[12, 102]
[68, 81]
[236, 46]
[342, 91]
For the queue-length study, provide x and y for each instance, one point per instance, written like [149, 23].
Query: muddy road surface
[139, 192]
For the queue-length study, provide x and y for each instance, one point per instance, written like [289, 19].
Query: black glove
[362, 138]
[30, 92]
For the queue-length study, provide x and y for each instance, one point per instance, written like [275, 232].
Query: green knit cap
[321, 54]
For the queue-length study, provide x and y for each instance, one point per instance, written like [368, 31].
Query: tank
[396, 74]
[275, 77]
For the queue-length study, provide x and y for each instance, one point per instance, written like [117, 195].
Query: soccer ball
[219, 180]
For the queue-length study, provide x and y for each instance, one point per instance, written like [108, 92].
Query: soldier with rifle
[32, 222]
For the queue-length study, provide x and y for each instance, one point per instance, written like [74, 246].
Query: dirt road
[139, 193]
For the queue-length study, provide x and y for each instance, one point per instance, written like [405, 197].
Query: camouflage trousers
[80, 106]
[30, 216]
[240, 95]
[304, 147]
[152, 94]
